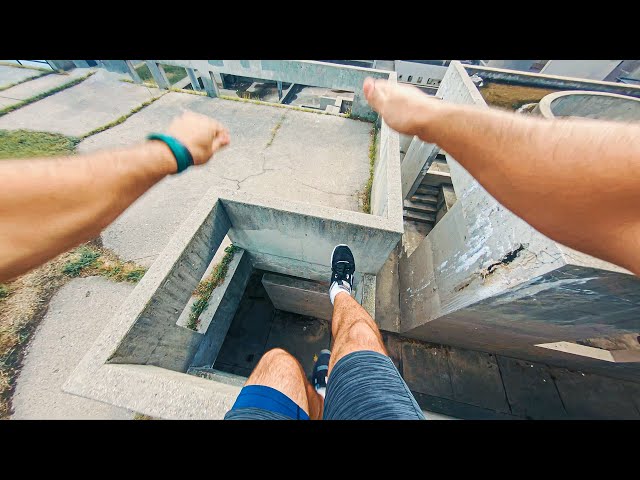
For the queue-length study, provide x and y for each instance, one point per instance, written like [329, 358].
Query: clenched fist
[202, 135]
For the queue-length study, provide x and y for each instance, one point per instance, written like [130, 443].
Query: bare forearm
[50, 205]
[576, 181]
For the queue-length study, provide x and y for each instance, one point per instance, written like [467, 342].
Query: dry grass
[365, 195]
[142, 416]
[90, 260]
[26, 300]
[512, 97]
[275, 129]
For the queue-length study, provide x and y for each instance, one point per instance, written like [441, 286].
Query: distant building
[623, 71]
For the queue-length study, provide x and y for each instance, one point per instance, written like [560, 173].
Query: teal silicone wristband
[182, 154]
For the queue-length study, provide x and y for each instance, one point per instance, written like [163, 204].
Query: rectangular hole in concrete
[258, 327]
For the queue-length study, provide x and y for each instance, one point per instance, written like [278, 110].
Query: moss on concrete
[366, 192]
[89, 260]
[206, 287]
[27, 143]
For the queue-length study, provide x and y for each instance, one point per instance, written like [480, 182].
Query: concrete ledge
[121, 368]
[605, 106]
[296, 239]
[484, 279]
[214, 301]
[386, 191]
[155, 391]
[298, 296]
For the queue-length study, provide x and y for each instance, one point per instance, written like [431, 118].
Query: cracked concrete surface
[320, 159]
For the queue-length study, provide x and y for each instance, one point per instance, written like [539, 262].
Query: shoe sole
[353, 277]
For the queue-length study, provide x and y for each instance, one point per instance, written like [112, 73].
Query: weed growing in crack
[206, 287]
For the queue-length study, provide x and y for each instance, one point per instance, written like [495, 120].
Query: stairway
[434, 197]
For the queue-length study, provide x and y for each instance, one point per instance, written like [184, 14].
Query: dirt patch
[512, 97]
[25, 301]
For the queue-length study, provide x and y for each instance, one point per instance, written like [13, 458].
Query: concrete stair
[419, 217]
[426, 199]
[420, 207]
[434, 197]
[427, 190]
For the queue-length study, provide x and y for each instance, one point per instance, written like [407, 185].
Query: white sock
[322, 391]
[336, 288]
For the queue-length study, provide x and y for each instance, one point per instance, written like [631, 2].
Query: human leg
[352, 329]
[278, 383]
[363, 382]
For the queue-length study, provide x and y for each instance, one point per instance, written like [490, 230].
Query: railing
[46, 62]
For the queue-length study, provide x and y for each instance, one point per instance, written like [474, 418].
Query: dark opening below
[258, 327]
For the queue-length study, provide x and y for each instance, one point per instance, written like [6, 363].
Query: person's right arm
[50, 205]
[575, 180]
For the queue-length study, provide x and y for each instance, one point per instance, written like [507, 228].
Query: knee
[279, 358]
[362, 335]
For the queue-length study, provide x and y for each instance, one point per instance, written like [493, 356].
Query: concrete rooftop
[319, 159]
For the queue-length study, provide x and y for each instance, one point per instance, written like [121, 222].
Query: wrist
[161, 156]
[435, 120]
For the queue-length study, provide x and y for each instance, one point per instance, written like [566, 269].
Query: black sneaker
[320, 370]
[343, 267]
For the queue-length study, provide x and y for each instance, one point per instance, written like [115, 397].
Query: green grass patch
[206, 287]
[85, 257]
[42, 95]
[27, 143]
[174, 74]
[366, 192]
[122, 118]
[4, 291]
[24, 80]
[89, 260]
[275, 129]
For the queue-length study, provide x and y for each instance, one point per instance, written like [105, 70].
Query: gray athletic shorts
[363, 385]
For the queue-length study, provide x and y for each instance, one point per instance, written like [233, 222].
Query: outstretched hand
[202, 135]
[403, 107]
